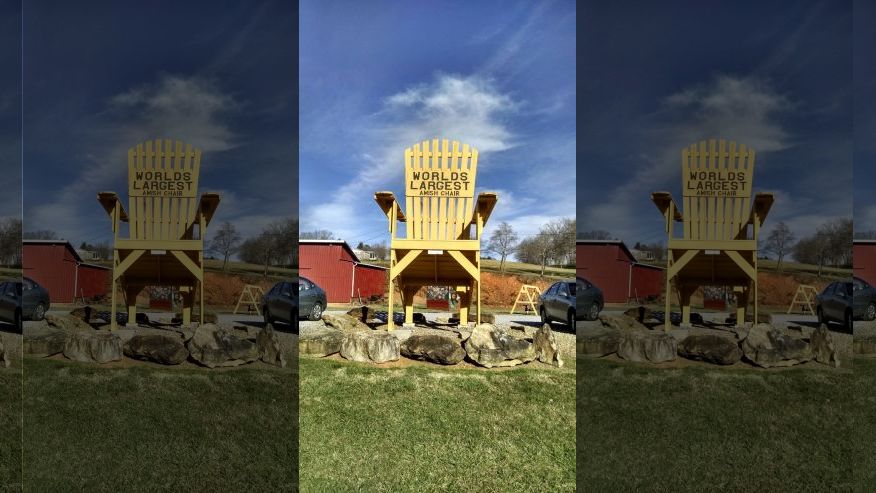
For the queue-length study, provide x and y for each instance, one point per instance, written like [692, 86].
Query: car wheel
[267, 314]
[544, 318]
[39, 312]
[316, 312]
[870, 314]
[593, 313]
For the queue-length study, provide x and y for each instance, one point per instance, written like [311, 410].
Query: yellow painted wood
[441, 212]
[527, 296]
[718, 219]
[164, 211]
[250, 297]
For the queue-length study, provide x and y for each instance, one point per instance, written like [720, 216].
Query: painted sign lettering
[163, 183]
[439, 183]
[717, 183]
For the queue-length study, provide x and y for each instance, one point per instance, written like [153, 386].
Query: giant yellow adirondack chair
[167, 224]
[438, 248]
[720, 225]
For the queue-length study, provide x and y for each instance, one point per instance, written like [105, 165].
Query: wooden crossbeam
[527, 296]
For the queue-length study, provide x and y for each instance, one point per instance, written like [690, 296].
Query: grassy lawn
[864, 397]
[152, 429]
[430, 429]
[703, 429]
[10, 429]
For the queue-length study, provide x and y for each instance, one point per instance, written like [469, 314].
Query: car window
[562, 289]
[847, 288]
[572, 288]
[10, 290]
[27, 284]
[551, 290]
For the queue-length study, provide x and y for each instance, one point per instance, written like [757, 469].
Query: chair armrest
[663, 201]
[762, 204]
[109, 201]
[484, 206]
[385, 201]
[207, 206]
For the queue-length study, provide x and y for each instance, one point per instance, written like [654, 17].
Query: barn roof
[346, 247]
[67, 245]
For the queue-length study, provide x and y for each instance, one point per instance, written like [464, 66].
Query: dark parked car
[279, 304]
[590, 300]
[311, 299]
[834, 304]
[864, 299]
[34, 301]
[557, 303]
[10, 303]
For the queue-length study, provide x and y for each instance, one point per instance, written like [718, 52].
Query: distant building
[88, 255]
[642, 255]
[56, 266]
[612, 267]
[336, 268]
[365, 255]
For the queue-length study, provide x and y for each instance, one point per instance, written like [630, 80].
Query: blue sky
[377, 77]
[657, 76]
[865, 116]
[10, 108]
[100, 77]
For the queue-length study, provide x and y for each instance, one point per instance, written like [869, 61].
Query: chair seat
[184, 245]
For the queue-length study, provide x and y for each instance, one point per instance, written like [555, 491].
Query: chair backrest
[716, 190]
[439, 190]
[162, 189]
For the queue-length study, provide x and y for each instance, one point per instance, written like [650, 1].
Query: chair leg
[131, 293]
[201, 300]
[113, 324]
[390, 325]
[686, 293]
[186, 294]
[741, 301]
[464, 302]
[667, 322]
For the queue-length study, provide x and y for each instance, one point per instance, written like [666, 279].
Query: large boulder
[621, 322]
[93, 347]
[435, 348]
[639, 313]
[823, 347]
[320, 342]
[68, 323]
[767, 346]
[651, 347]
[42, 340]
[214, 346]
[344, 322]
[373, 347]
[597, 343]
[546, 348]
[82, 313]
[360, 313]
[710, 348]
[491, 346]
[269, 349]
[864, 346]
[166, 349]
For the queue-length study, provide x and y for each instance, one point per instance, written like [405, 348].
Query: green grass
[431, 429]
[703, 429]
[864, 419]
[151, 429]
[10, 429]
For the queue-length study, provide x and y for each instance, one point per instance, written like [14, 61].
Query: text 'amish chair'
[167, 224]
[438, 247]
[719, 242]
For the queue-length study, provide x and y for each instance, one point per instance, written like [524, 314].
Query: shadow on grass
[703, 429]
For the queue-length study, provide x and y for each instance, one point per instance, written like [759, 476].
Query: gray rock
[166, 349]
[214, 346]
[546, 348]
[865, 346]
[621, 322]
[269, 349]
[93, 347]
[68, 323]
[491, 346]
[766, 346]
[82, 313]
[320, 342]
[651, 347]
[597, 344]
[823, 347]
[639, 313]
[435, 348]
[373, 347]
[710, 348]
[344, 322]
[41, 340]
[402, 334]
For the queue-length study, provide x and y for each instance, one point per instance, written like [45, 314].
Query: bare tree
[225, 242]
[10, 242]
[42, 234]
[596, 234]
[380, 250]
[502, 243]
[779, 242]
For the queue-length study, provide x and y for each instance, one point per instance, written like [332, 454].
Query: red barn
[611, 266]
[333, 266]
[56, 266]
[864, 255]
